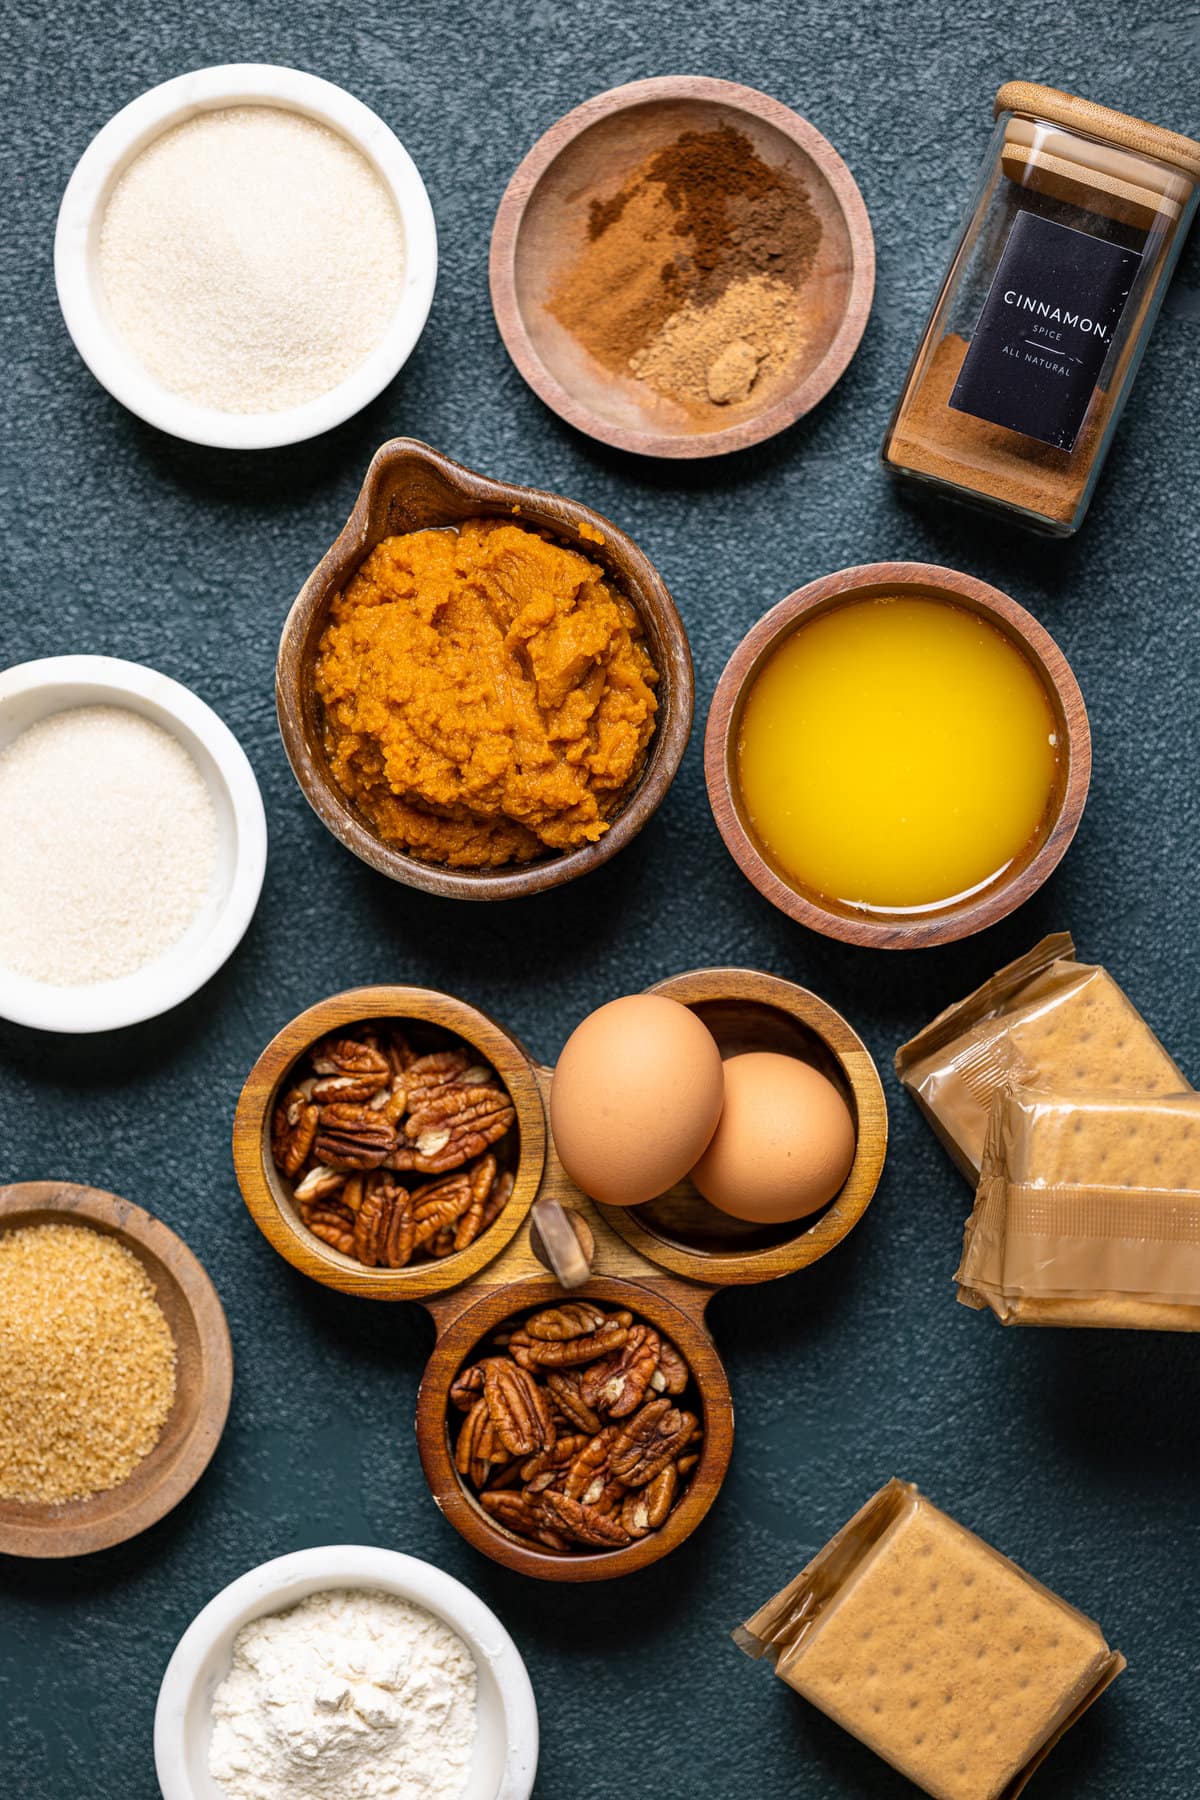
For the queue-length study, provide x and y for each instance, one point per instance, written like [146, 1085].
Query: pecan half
[497, 1200]
[516, 1511]
[293, 1129]
[482, 1175]
[671, 1376]
[575, 1318]
[589, 1471]
[649, 1441]
[477, 1448]
[335, 1228]
[393, 1102]
[647, 1508]
[455, 1125]
[617, 1385]
[568, 1352]
[586, 1524]
[349, 1070]
[440, 1205]
[401, 1231]
[427, 1075]
[564, 1386]
[371, 1228]
[518, 1408]
[319, 1184]
[353, 1137]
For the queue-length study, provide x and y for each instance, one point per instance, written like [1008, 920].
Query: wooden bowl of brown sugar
[203, 1374]
[682, 267]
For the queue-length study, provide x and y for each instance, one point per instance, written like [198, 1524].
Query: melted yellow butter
[896, 753]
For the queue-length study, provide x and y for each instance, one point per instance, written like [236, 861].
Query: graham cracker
[1044, 1021]
[941, 1655]
[1088, 1212]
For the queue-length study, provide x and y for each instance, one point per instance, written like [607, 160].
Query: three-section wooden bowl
[663, 1261]
[203, 1377]
[959, 918]
[410, 487]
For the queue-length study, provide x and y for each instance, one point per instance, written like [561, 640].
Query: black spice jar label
[1045, 330]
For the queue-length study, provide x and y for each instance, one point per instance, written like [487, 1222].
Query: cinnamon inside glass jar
[1032, 345]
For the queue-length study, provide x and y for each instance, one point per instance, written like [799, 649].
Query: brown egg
[636, 1096]
[785, 1142]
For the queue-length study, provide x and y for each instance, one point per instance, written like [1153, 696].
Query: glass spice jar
[1053, 288]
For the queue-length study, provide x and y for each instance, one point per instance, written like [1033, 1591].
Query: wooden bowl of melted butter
[571, 725]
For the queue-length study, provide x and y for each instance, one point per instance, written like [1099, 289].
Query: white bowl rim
[145, 118]
[268, 1588]
[149, 991]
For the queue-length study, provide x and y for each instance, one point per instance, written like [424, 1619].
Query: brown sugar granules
[691, 276]
[87, 1363]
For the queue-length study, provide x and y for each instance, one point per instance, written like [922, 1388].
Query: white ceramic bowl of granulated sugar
[46, 981]
[234, 274]
[504, 1753]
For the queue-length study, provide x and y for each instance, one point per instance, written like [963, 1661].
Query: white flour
[351, 1695]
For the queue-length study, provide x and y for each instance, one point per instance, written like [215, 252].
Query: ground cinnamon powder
[931, 438]
[692, 272]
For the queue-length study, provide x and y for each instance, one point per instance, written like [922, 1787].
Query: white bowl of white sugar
[134, 838]
[245, 256]
[341, 1671]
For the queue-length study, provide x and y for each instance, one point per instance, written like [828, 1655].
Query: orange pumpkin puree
[488, 694]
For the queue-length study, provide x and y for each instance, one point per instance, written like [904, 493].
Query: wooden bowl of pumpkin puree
[484, 690]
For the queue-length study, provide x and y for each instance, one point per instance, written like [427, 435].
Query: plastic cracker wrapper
[1088, 1212]
[940, 1654]
[1044, 1021]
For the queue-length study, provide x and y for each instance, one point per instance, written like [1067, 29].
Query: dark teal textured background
[1076, 1453]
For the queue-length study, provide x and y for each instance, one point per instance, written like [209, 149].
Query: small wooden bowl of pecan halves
[390, 1141]
[576, 1437]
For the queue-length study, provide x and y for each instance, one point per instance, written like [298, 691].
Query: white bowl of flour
[346, 1673]
[135, 843]
[245, 256]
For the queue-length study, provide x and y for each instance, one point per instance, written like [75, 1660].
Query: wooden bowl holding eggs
[576, 1435]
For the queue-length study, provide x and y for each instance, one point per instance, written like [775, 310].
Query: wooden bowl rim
[511, 213]
[534, 506]
[896, 931]
[37, 1533]
[256, 1102]
[471, 1522]
[830, 1226]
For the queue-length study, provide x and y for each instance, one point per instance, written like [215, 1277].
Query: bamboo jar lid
[1105, 122]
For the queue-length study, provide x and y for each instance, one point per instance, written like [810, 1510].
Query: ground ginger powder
[488, 694]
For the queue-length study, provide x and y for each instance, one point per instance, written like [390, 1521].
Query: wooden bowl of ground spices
[115, 1369]
[682, 267]
[484, 690]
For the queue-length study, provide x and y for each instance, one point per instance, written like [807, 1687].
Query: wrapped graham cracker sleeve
[1045, 1021]
[1087, 1212]
[940, 1654]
